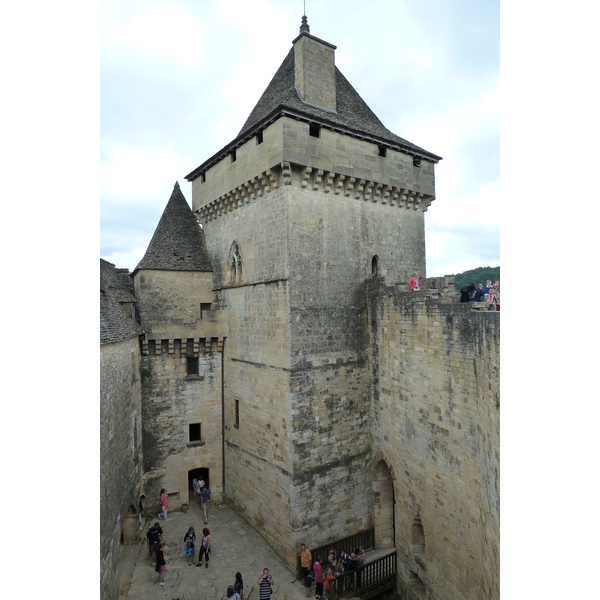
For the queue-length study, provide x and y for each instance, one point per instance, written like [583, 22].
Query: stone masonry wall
[120, 450]
[435, 420]
[171, 401]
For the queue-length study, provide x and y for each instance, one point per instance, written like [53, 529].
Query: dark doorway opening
[197, 474]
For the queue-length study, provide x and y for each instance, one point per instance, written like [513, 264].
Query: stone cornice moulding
[303, 176]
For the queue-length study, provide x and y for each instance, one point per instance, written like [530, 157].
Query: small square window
[233, 156]
[314, 130]
[382, 150]
[259, 137]
[192, 365]
[195, 432]
[417, 161]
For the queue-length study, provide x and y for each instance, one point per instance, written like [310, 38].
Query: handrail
[376, 576]
[365, 538]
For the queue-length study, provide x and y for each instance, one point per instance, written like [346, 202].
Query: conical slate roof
[178, 243]
[352, 116]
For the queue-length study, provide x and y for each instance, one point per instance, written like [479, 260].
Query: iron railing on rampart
[365, 539]
[370, 580]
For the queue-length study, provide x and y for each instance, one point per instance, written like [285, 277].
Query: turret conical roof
[178, 243]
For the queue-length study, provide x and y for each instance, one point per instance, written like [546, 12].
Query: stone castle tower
[297, 210]
[284, 359]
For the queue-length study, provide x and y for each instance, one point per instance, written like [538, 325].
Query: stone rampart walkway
[236, 547]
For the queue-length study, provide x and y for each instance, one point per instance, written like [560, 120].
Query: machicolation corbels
[315, 179]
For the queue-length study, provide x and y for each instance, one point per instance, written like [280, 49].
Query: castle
[267, 341]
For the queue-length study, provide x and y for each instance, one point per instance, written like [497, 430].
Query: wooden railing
[370, 580]
[365, 539]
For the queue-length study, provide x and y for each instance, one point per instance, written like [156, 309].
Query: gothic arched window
[235, 263]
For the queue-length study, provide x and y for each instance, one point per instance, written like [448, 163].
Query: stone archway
[383, 504]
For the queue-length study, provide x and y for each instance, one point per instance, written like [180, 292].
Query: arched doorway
[383, 492]
[197, 474]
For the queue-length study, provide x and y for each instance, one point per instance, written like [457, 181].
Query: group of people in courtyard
[324, 572]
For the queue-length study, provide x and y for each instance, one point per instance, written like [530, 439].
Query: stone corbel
[230, 201]
[273, 179]
[263, 185]
[317, 181]
[196, 346]
[349, 186]
[329, 181]
[410, 199]
[306, 176]
[395, 194]
[158, 347]
[368, 189]
[171, 346]
[386, 194]
[403, 198]
[286, 172]
[339, 184]
[417, 201]
[359, 189]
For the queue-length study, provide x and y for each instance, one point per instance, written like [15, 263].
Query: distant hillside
[478, 275]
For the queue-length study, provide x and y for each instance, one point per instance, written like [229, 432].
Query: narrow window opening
[195, 432]
[314, 130]
[192, 365]
[237, 414]
[233, 156]
[417, 161]
[382, 150]
[259, 137]
[418, 536]
[203, 177]
[375, 266]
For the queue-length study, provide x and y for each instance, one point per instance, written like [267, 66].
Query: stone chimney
[314, 62]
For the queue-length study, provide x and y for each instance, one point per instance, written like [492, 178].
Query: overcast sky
[179, 78]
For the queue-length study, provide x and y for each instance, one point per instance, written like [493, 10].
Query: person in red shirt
[328, 579]
[412, 282]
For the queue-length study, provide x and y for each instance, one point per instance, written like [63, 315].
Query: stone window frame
[235, 262]
[196, 441]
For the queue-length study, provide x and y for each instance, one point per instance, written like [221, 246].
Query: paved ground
[236, 547]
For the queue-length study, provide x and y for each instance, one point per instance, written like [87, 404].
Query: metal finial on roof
[304, 28]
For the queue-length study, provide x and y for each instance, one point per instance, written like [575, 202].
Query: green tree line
[478, 275]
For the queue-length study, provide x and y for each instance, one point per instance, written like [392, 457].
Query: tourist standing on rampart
[305, 563]
[231, 593]
[265, 583]
[206, 496]
[160, 563]
[412, 282]
[328, 579]
[189, 540]
[359, 554]
[238, 586]
[204, 547]
[163, 504]
[153, 540]
[317, 567]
